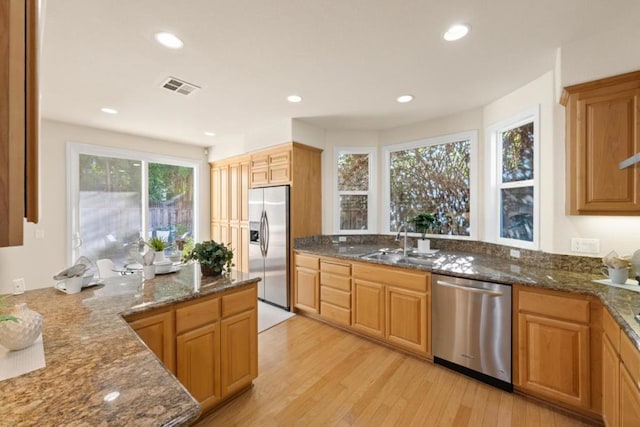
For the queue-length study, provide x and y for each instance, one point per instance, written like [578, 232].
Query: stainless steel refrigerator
[269, 242]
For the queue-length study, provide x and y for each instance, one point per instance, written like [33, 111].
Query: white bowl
[163, 267]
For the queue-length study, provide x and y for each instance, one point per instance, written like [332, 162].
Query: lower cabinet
[199, 363]
[210, 343]
[407, 324]
[629, 399]
[554, 347]
[368, 308]
[239, 351]
[610, 384]
[307, 283]
[158, 333]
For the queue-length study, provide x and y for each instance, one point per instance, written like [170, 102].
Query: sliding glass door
[118, 198]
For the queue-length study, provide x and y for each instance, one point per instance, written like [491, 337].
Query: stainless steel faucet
[403, 226]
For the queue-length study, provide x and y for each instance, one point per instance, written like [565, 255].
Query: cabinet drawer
[259, 161]
[279, 173]
[631, 358]
[194, 315]
[392, 276]
[239, 301]
[279, 158]
[335, 268]
[333, 296]
[611, 328]
[554, 306]
[334, 281]
[307, 261]
[335, 314]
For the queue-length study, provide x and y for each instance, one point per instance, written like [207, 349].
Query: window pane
[432, 179]
[353, 212]
[517, 153]
[517, 213]
[110, 214]
[170, 201]
[353, 172]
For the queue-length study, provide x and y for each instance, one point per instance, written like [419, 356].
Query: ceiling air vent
[179, 86]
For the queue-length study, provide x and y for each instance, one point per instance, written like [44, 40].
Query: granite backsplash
[577, 264]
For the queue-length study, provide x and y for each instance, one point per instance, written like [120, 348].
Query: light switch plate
[585, 246]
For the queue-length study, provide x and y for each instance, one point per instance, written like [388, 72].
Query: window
[355, 190]
[115, 194]
[435, 175]
[515, 144]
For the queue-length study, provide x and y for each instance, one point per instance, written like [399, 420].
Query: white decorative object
[149, 272]
[23, 333]
[424, 246]
[159, 256]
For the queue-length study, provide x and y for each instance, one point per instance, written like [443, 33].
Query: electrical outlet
[342, 238]
[585, 246]
[514, 253]
[515, 268]
[18, 286]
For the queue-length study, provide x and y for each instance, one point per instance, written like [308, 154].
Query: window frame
[531, 115]
[73, 152]
[472, 137]
[371, 193]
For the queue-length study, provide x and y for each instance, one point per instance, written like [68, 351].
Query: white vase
[21, 334]
[159, 257]
[424, 245]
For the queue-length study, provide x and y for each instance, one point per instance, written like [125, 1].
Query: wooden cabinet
[239, 332]
[156, 330]
[307, 283]
[610, 383]
[19, 118]
[553, 346]
[368, 308]
[335, 291]
[407, 324]
[392, 304]
[271, 167]
[230, 207]
[210, 343]
[198, 356]
[602, 131]
[629, 399]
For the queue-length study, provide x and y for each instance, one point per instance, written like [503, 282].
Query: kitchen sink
[396, 258]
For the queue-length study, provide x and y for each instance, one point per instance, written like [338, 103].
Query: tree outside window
[354, 190]
[432, 178]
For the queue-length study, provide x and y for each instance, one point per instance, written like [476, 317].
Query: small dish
[172, 269]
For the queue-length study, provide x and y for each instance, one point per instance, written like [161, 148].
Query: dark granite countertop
[621, 303]
[90, 351]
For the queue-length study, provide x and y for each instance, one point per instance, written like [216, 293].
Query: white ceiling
[348, 59]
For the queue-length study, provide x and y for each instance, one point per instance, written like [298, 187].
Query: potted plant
[158, 244]
[423, 223]
[214, 258]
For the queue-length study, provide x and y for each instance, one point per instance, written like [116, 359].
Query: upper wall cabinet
[602, 119]
[18, 118]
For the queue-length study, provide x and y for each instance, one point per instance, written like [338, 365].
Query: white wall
[38, 260]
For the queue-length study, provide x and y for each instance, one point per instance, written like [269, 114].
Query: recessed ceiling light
[405, 98]
[294, 98]
[210, 133]
[109, 110]
[169, 40]
[456, 32]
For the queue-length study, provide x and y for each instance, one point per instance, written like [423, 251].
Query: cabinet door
[629, 400]
[280, 174]
[239, 351]
[199, 363]
[224, 193]
[242, 261]
[606, 135]
[554, 359]
[610, 383]
[368, 308]
[234, 192]
[157, 332]
[406, 319]
[244, 191]
[215, 194]
[307, 289]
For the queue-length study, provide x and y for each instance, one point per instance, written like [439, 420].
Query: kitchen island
[98, 371]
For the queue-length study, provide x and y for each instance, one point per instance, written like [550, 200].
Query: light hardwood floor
[311, 374]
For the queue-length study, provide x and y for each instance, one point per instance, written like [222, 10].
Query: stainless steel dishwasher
[471, 328]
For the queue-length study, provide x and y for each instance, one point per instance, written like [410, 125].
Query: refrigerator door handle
[261, 241]
[266, 234]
